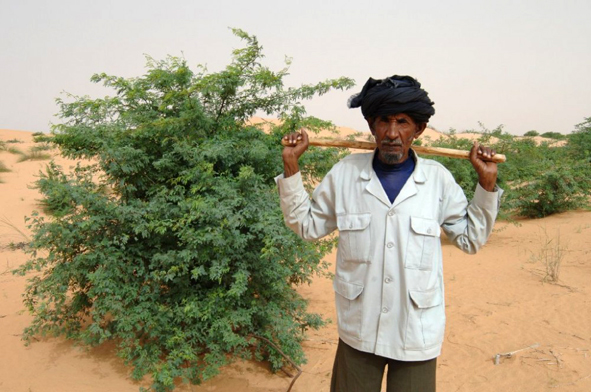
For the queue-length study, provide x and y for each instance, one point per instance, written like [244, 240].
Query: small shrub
[41, 147]
[15, 151]
[531, 133]
[40, 137]
[355, 135]
[5, 147]
[34, 155]
[3, 168]
[579, 142]
[553, 135]
[14, 141]
[56, 188]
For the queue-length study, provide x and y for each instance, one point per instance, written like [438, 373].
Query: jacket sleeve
[468, 225]
[310, 218]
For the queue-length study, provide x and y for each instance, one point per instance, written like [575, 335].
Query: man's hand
[487, 171]
[297, 144]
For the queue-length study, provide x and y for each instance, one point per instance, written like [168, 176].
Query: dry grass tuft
[551, 254]
[3, 168]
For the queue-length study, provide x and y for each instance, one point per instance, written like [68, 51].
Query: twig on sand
[558, 360]
[284, 356]
[497, 357]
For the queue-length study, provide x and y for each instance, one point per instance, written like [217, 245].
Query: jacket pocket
[426, 319]
[423, 241]
[349, 309]
[354, 237]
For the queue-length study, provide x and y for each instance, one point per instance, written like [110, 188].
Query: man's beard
[391, 158]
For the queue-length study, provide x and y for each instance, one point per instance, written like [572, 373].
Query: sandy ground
[497, 302]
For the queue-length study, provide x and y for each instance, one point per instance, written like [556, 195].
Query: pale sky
[525, 64]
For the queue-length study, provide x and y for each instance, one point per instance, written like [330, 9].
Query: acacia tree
[172, 243]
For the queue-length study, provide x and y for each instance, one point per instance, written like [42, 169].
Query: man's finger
[474, 151]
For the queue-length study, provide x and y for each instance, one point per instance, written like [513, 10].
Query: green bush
[561, 188]
[579, 141]
[173, 244]
[541, 180]
[40, 137]
[461, 169]
[531, 133]
[554, 135]
[538, 180]
[57, 189]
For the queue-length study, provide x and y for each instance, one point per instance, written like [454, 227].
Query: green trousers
[358, 371]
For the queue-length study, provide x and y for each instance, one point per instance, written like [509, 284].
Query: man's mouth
[387, 142]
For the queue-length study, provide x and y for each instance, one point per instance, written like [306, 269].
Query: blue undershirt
[393, 177]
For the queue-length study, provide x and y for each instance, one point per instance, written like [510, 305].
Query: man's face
[394, 135]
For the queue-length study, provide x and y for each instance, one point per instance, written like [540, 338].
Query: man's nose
[392, 131]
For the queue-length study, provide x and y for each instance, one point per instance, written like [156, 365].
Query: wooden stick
[362, 145]
[299, 369]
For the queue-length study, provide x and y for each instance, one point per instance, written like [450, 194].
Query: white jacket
[389, 273]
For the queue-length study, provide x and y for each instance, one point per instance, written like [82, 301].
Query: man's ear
[370, 122]
[420, 129]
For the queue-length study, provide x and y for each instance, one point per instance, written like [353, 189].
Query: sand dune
[496, 303]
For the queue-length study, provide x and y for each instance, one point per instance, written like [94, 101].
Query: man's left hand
[487, 170]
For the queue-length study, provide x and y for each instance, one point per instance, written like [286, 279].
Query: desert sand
[497, 302]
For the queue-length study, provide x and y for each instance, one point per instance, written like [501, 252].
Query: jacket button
[390, 245]
[428, 231]
[384, 310]
[388, 280]
[391, 213]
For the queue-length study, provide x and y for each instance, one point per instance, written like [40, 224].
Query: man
[389, 206]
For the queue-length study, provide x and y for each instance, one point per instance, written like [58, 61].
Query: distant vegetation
[553, 135]
[11, 149]
[539, 179]
[35, 153]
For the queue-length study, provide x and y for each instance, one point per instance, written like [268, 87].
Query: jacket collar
[375, 187]
[418, 175]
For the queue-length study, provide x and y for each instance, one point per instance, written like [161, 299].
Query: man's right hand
[296, 145]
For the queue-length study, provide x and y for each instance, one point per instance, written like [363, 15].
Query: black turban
[393, 95]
